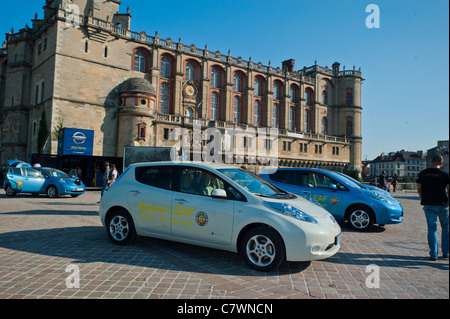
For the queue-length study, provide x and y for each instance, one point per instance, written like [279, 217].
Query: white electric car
[218, 206]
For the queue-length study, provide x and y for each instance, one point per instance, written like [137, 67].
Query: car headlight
[379, 197]
[292, 211]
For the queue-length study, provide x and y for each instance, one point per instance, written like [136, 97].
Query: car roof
[213, 166]
[266, 171]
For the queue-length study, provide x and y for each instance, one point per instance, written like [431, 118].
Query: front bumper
[317, 244]
[72, 190]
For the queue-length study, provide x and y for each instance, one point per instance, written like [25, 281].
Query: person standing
[394, 182]
[105, 178]
[112, 175]
[433, 189]
[383, 180]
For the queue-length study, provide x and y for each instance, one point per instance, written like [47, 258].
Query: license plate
[78, 189]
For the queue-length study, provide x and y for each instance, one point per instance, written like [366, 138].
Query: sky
[405, 62]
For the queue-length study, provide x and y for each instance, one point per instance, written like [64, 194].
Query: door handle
[181, 200]
[306, 192]
[135, 193]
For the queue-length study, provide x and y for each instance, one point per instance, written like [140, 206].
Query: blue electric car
[342, 197]
[22, 178]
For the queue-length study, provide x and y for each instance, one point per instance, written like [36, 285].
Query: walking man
[105, 178]
[433, 189]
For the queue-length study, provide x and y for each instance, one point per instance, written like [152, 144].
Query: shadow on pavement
[90, 244]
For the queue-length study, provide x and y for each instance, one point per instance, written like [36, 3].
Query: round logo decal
[79, 138]
[334, 200]
[202, 219]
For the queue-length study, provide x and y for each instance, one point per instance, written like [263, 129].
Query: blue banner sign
[74, 141]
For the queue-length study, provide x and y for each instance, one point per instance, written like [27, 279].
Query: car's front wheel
[52, 191]
[263, 249]
[361, 218]
[10, 191]
[120, 228]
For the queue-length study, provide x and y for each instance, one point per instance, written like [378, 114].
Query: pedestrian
[112, 175]
[383, 180]
[105, 178]
[433, 189]
[394, 182]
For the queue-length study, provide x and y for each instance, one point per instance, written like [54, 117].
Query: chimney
[288, 65]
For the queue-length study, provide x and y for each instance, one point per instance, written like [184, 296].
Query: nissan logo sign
[79, 138]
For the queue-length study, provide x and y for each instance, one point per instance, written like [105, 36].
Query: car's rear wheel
[263, 249]
[52, 191]
[361, 218]
[10, 191]
[120, 228]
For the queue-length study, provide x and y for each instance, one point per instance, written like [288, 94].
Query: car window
[285, 176]
[56, 173]
[323, 181]
[156, 176]
[307, 179]
[30, 172]
[318, 180]
[15, 171]
[253, 183]
[197, 181]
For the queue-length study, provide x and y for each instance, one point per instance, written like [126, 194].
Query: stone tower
[138, 108]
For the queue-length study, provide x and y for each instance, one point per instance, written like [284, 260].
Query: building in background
[91, 72]
[404, 164]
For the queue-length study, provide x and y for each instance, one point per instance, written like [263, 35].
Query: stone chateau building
[91, 71]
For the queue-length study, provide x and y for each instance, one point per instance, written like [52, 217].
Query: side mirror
[219, 193]
[332, 186]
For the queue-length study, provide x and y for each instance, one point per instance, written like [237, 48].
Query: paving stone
[40, 237]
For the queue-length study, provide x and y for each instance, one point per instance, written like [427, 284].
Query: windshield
[348, 180]
[254, 184]
[56, 173]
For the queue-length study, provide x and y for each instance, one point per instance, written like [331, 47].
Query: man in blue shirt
[433, 189]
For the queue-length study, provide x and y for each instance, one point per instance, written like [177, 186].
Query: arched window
[189, 113]
[349, 97]
[164, 98]
[275, 117]
[324, 126]
[190, 71]
[306, 121]
[237, 83]
[324, 97]
[276, 91]
[42, 92]
[214, 107]
[139, 61]
[349, 126]
[291, 118]
[236, 109]
[308, 97]
[292, 94]
[165, 67]
[214, 78]
[36, 96]
[257, 113]
[257, 87]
